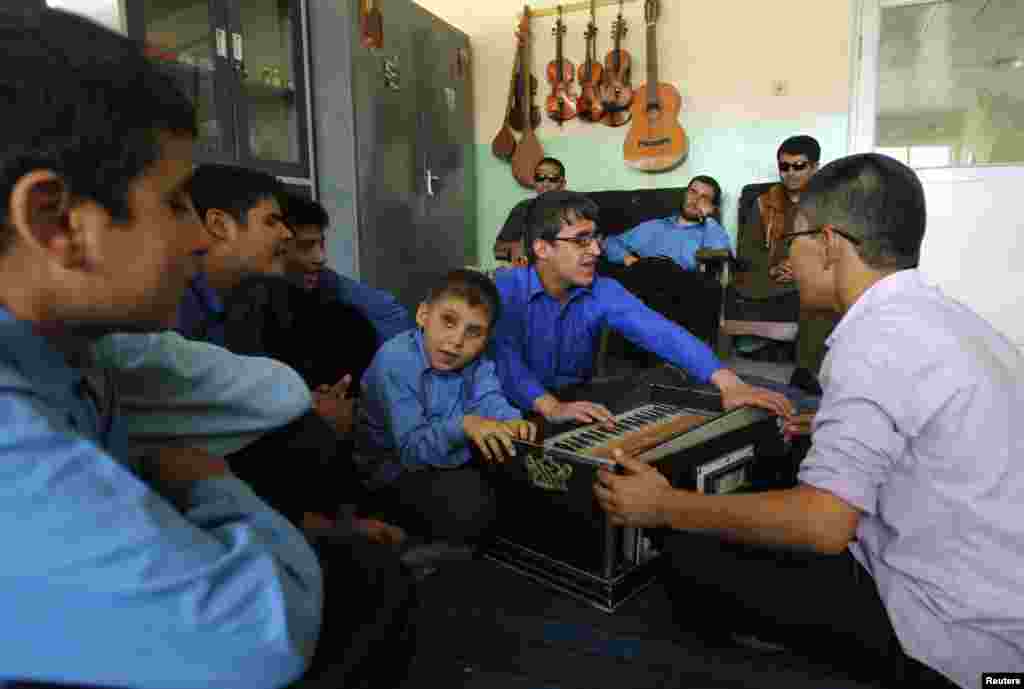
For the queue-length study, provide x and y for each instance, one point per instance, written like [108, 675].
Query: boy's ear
[40, 213]
[422, 311]
[220, 225]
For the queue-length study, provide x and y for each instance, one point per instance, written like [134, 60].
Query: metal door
[445, 181]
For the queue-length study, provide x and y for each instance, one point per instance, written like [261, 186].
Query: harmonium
[550, 527]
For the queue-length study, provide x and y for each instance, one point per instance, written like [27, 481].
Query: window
[941, 82]
[110, 13]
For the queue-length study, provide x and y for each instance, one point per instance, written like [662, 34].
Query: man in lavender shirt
[899, 555]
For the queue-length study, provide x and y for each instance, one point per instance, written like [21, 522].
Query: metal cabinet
[242, 63]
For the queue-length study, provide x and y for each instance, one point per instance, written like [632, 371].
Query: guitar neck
[652, 66]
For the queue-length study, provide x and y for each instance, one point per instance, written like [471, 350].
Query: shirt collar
[207, 297]
[535, 287]
[36, 357]
[882, 291]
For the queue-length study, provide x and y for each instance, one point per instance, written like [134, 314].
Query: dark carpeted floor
[483, 626]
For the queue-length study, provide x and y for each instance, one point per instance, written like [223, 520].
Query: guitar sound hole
[651, 143]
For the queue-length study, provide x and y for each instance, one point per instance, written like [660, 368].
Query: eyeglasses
[540, 179]
[787, 238]
[584, 240]
[799, 167]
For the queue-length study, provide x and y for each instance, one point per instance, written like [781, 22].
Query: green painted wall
[735, 155]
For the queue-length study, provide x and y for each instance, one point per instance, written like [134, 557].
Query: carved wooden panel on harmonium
[550, 527]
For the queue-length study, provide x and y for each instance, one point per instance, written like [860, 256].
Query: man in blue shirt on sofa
[553, 312]
[679, 237]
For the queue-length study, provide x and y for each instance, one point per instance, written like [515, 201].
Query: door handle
[431, 178]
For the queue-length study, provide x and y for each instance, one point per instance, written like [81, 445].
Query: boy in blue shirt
[188, 573]
[305, 263]
[428, 399]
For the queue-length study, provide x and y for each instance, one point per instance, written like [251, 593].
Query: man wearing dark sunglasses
[769, 274]
[548, 176]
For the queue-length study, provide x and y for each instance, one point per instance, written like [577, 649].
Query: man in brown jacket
[769, 274]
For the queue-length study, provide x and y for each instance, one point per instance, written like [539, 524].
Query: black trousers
[824, 606]
[368, 635]
[454, 505]
[301, 467]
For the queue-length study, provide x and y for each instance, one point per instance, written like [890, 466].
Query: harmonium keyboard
[550, 526]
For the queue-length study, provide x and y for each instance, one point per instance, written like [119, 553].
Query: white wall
[974, 242]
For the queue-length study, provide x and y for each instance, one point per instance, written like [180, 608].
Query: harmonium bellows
[550, 526]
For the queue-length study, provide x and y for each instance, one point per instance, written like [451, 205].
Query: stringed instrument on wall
[656, 141]
[517, 115]
[529, 151]
[371, 25]
[561, 103]
[588, 106]
[504, 144]
[616, 92]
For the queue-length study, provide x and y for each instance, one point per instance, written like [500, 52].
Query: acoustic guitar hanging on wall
[656, 141]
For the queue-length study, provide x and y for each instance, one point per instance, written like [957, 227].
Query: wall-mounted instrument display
[655, 141]
[529, 151]
[561, 103]
[589, 106]
[504, 144]
[616, 92]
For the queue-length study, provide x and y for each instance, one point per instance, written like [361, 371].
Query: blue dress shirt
[388, 316]
[413, 414]
[666, 237]
[201, 312]
[542, 345]
[109, 584]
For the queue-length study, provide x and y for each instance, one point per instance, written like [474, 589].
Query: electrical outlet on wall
[780, 87]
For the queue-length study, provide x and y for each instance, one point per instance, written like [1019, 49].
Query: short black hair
[82, 101]
[473, 287]
[875, 198]
[552, 161]
[302, 212]
[546, 214]
[717, 200]
[232, 189]
[800, 145]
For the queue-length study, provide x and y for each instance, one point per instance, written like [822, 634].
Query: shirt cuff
[221, 487]
[454, 433]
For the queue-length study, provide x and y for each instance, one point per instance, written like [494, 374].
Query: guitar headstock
[651, 11]
[591, 31]
[524, 24]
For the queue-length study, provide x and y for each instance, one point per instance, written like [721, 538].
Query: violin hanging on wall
[656, 141]
[616, 92]
[589, 106]
[561, 103]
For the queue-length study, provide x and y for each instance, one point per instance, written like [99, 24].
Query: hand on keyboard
[492, 436]
[583, 412]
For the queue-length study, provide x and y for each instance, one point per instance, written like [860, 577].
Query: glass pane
[110, 13]
[270, 80]
[180, 38]
[951, 82]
